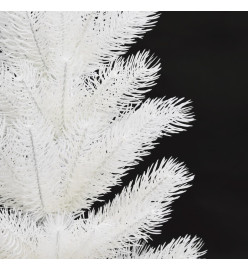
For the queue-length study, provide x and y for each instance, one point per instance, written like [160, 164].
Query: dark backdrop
[204, 58]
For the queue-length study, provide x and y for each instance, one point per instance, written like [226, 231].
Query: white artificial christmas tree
[73, 121]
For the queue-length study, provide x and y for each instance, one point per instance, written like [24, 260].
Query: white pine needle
[74, 119]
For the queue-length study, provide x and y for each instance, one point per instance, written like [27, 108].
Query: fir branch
[149, 197]
[123, 146]
[36, 170]
[182, 248]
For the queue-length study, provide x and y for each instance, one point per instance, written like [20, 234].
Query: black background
[204, 58]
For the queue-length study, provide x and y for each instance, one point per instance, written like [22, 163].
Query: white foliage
[18, 235]
[138, 210]
[72, 123]
[122, 146]
[182, 248]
